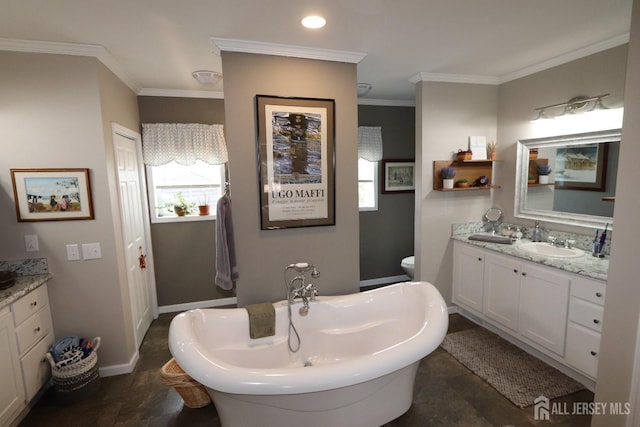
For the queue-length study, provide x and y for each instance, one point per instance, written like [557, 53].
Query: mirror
[581, 186]
[493, 217]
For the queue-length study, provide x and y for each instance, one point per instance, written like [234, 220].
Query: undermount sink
[546, 249]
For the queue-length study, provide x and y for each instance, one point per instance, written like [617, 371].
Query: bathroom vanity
[26, 332]
[550, 307]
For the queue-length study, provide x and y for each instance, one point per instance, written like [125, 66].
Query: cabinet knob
[524, 274]
[599, 294]
[479, 258]
[596, 321]
[33, 304]
[515, 270]
[593, 353]
[36, 330]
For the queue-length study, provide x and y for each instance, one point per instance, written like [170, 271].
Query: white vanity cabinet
[553, 312]
[468, 272]
[585, 324]
[26, 332]
[11, 391]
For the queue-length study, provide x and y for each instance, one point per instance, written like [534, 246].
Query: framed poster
[398, 176]
[296, 140]
[582, 167]
[52, 194]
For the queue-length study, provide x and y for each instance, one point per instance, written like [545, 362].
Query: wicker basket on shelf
[192, 392]
[77, 380]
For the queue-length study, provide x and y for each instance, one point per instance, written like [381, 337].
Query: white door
[135, 232]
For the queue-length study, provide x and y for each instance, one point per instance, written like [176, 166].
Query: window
[367, 185]
[199, 184]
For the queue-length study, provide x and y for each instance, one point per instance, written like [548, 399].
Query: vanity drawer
[33, 329]
[589, 290]
[29, 304]
[583, 349]
[586, 314]
[35, 367]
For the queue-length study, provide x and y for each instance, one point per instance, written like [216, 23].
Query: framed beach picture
[52, 194]
[398, 176]
[296, 161]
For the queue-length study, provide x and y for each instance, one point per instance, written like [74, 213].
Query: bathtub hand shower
[307, 292]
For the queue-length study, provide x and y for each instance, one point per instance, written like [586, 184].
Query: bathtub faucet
[306, 291]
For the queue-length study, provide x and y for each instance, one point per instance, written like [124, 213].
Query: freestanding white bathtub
[361, 350]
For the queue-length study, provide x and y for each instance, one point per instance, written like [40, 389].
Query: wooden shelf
[541, 185]
[465, 169]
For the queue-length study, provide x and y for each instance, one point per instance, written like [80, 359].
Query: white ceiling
[155, 45]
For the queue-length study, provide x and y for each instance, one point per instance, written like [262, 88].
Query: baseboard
[125, 368]
[384, 280]
[197, 304]
[453, 309]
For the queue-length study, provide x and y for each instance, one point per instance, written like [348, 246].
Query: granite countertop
[24, 285]
[588, 266]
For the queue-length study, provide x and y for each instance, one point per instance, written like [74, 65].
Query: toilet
[407, 265]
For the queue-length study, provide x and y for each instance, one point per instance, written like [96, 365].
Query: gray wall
[184, 253]
[386, 235]
[263, 254]
[618, 346]
[57, 112]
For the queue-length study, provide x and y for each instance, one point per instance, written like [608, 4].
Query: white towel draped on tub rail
[226, 265]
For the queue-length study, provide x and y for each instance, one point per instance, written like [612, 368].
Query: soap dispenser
[536, 234]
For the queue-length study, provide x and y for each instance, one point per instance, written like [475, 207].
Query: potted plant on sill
[543, 174]
[180, 206]
[491, 150]
[203, 205]
[447, 173]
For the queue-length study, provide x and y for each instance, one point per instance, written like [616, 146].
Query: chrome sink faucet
[564, 243]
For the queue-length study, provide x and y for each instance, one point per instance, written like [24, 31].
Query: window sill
[186, 218]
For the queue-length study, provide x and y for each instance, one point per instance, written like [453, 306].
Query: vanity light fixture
[207, 77]
[313, 22]
[576, 105]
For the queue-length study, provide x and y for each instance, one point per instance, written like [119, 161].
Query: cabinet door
[11, 391]
[544, 302]
[502, 289]
[468, 272]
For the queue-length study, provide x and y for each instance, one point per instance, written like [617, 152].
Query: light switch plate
[31, 243]
[73, 252]
[91, 251]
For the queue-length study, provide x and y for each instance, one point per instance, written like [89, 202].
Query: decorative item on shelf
[447, 173]
[462, 183]
[180, 206]
[533, 153]
[464, 154]
[481, 181]
[203, 205]
[531, 179]
[491, 150]
[543, 174]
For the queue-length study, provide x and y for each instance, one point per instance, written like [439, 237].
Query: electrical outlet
[73, 252]
[31, 243]
[91, 251]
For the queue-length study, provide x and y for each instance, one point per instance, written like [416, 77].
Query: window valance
[370, 143]
[183, 143]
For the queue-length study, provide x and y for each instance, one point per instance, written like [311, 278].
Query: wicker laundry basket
[192, 392]
[78, 380]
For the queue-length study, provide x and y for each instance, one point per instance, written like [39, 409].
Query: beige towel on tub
[262, 320]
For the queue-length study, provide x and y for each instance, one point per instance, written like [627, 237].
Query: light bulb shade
[207, 77]
[364, 88]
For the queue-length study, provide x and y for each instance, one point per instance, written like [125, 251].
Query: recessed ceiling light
[313, 21]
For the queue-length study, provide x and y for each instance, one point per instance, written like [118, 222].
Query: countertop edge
[587, 266]
[24, 285]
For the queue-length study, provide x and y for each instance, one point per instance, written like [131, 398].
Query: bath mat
[514, 373]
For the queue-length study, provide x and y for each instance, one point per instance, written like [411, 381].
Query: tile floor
[446, 394]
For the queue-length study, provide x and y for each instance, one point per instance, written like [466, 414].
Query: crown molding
[263, 48]
[75, 49]
[387, 102]
[568, 57]
[453, 78]
[175, 93]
